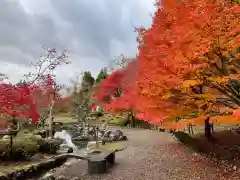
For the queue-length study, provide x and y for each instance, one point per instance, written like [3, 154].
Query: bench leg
[111, 159]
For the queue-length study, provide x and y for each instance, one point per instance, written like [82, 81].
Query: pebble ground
[151, 155]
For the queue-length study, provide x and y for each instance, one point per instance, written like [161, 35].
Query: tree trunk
[190, 129]
[133, 119]
[212, 128]
[207, 129]
[51, 120]
[191, 126]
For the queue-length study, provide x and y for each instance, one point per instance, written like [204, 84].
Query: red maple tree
[118, 90]
[17, 101]
[173, 58]
[25, 99]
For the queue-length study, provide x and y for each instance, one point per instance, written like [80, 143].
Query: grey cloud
[21, 33]
[92, 30]
[97, 23]
[94, 24]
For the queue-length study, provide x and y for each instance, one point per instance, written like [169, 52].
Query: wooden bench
[99, 163]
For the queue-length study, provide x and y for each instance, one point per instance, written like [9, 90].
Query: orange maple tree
[187, 61]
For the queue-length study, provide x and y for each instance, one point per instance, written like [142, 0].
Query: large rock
[123, 138]
[80, 138]
[91, 138]
[113, 136]
[107, 133]
[76, 134]
[76, 178]
[92, 145]
[42, 132]
[62, 178]
[65, 149]
[102, 131]
[106, 140]
[100, 134]
[38, 136]
[48, 176]
[119, 133]
[6, 137]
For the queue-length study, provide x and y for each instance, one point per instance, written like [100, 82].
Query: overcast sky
[94, 31]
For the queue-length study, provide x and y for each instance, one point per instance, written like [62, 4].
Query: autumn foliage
[27, 99]
[188, 61]
[18, 101]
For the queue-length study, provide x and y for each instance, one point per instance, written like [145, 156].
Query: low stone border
[33, 170]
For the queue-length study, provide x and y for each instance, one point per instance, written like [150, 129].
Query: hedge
[119, 121]
[27, 145]
[21, 149]
[49, 146]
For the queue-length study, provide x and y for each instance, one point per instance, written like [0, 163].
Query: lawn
[111, 147]
[64, 118]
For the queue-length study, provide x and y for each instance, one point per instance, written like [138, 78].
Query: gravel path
[152, 156]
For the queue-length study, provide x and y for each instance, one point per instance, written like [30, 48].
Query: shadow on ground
[224, 146]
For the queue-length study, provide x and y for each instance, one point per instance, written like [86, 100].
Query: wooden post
[96, 134]
[11, 143]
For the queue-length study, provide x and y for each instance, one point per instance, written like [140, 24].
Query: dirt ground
[153, 155]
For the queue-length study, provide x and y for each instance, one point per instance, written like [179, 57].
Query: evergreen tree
[101, 76]
[82, 96]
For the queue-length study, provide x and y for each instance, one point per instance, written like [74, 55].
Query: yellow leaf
[225, 120]
[167, 95]
[206, 97]
[188, 83]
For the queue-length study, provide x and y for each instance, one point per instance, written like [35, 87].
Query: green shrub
[4, 150]
[43, 133]
[23, 132]
[119, 121]
[96, 114]
[26, 124]
[68, 127]
[22, 148]
[49, 146]
[25, 147]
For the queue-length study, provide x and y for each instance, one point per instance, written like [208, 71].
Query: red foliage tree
[46, 94]
[25, 99]
[119, 89]
[18, 101]
[172, 56]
